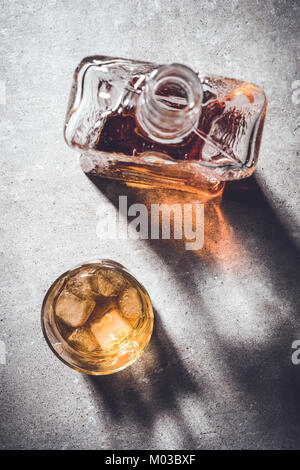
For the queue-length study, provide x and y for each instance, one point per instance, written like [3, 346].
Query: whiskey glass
[97, 318]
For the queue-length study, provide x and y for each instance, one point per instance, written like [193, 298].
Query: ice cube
[110, 282]
[83, 339]
[130, 303]
[82, 284]
[102, 306]
[73, 310]
[110, 329]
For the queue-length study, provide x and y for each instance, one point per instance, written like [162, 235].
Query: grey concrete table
[218, 372]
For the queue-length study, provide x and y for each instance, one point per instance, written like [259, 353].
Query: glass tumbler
[97, 318]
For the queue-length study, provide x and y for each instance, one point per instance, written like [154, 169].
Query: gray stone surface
[218, 371]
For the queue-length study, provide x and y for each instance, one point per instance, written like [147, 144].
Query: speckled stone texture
[218, 372]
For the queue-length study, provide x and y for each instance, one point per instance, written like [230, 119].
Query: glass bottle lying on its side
[163, 125]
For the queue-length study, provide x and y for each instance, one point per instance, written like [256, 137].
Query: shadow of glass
[125, 397]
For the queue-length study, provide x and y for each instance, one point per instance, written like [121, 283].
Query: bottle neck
[169, 106]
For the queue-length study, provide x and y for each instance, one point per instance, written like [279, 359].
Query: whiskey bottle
[155, 125]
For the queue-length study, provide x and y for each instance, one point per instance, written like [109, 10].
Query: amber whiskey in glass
[97, 318]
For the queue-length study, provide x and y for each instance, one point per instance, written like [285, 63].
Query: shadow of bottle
[233, 229]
